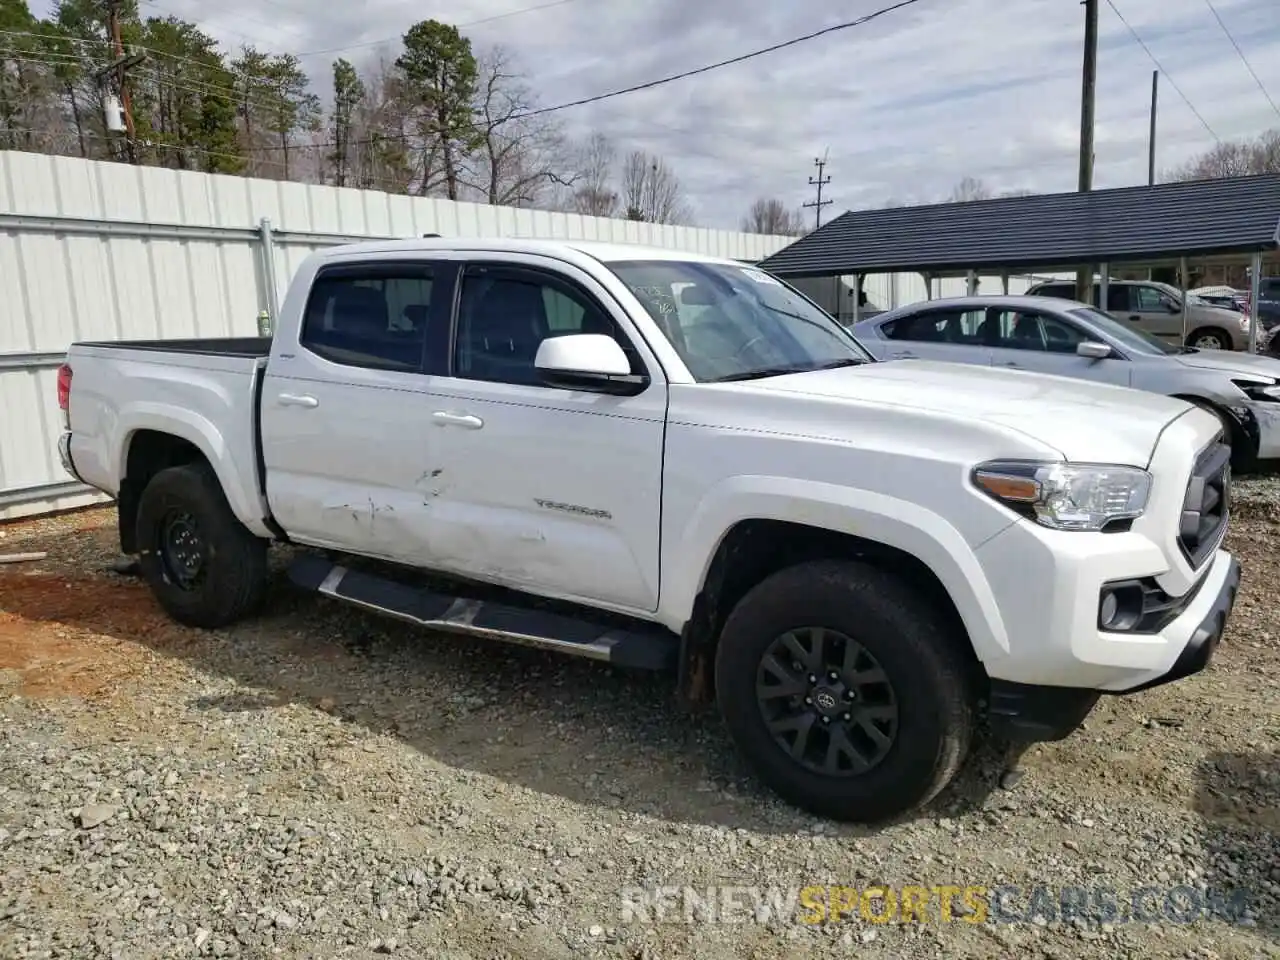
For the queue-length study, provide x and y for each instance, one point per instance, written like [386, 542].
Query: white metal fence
[95, 250]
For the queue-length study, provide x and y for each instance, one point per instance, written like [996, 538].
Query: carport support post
[928, 285]
[971, 284]
[1004, 283]
[1104, 283]
[268, 249]
[857, 297]
[1182, 292]
[1255, 293]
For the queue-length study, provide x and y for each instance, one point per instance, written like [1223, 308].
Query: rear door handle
[1134, 317]
[1010, 363]
[446, 419]
[905, 355]
[297, 400]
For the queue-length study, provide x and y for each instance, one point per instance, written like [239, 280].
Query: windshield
[1131, 338]
[737, 323]
[1176, 296]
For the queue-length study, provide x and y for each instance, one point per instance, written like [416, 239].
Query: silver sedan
[1072, 339]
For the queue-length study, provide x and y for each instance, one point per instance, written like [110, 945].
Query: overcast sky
[904, 107]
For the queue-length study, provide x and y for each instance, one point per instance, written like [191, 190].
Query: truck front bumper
[1040, 712]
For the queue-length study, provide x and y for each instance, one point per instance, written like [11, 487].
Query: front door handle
[297, 400]
[1010, 363]
[905, 355]
[446, 419]
[1134, 317]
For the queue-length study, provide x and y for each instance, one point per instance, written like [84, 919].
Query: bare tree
[970, 188]
[518, 157]
[380, 142]
[651, 191]
[770, 215]
[594, 194]
[1233, 158]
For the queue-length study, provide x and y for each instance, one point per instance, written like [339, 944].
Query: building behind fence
[92, 250]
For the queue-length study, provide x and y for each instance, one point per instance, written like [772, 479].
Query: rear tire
[895, 634]
[204, 567]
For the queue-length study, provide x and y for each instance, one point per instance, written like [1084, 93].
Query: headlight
[1258, 391]
[1066, 496]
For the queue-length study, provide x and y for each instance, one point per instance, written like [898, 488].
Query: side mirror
[1172, 307]
[587, 361]
[1093, 350]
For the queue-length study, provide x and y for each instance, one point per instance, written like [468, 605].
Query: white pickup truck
[669, 461]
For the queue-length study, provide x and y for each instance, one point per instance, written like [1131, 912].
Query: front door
[1156, 312]
[347, 434]
[1044, 343]
[551, 490]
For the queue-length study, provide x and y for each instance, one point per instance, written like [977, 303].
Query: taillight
[64, 394]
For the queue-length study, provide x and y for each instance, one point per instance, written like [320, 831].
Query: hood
[1223, 315]
[1232, 362]
[1084, 421]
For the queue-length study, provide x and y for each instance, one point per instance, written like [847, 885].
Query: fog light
[1120, 607]
[1109, 610]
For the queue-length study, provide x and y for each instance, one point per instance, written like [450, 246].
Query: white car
[667, 461]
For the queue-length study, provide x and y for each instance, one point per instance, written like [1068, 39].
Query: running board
[636, 648]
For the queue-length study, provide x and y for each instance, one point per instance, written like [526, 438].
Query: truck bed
[251, 347]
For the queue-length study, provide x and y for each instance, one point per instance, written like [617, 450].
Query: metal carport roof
[1238, 215]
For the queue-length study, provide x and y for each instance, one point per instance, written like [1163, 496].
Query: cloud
[905, 106]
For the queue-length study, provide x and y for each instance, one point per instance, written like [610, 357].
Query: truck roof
[596, 249]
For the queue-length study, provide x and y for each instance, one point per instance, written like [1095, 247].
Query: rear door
[347, 435]
[939, 333]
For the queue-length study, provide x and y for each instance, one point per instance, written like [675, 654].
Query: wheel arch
[754, 548]
[149, 448]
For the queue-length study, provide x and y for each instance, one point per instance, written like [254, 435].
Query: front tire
[1210, 338]
[204, 567]
[880, 714]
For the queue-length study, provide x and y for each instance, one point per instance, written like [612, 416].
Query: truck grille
[1206, 506]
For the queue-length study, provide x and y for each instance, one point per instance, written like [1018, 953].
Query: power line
[1160, 67]
[1243, 59]
[649, 85]
[687, 73]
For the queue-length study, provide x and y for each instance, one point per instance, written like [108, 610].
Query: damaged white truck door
[347, 433]
[552, 489]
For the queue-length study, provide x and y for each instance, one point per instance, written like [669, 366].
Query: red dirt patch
[69, 637]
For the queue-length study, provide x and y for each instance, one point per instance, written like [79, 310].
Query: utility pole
[120, 67]
[1151, 137]
[1084, 276]
[820, 182]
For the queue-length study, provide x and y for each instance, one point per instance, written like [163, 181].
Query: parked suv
[1156, 308]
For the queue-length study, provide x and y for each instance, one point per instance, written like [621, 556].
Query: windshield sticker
[661, 300]
[759, 277]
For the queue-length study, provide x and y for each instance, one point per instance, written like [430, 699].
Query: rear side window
[1119, 297]
[375, 317]
[964, 327]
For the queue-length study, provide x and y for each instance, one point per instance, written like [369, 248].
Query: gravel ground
[324, 783]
